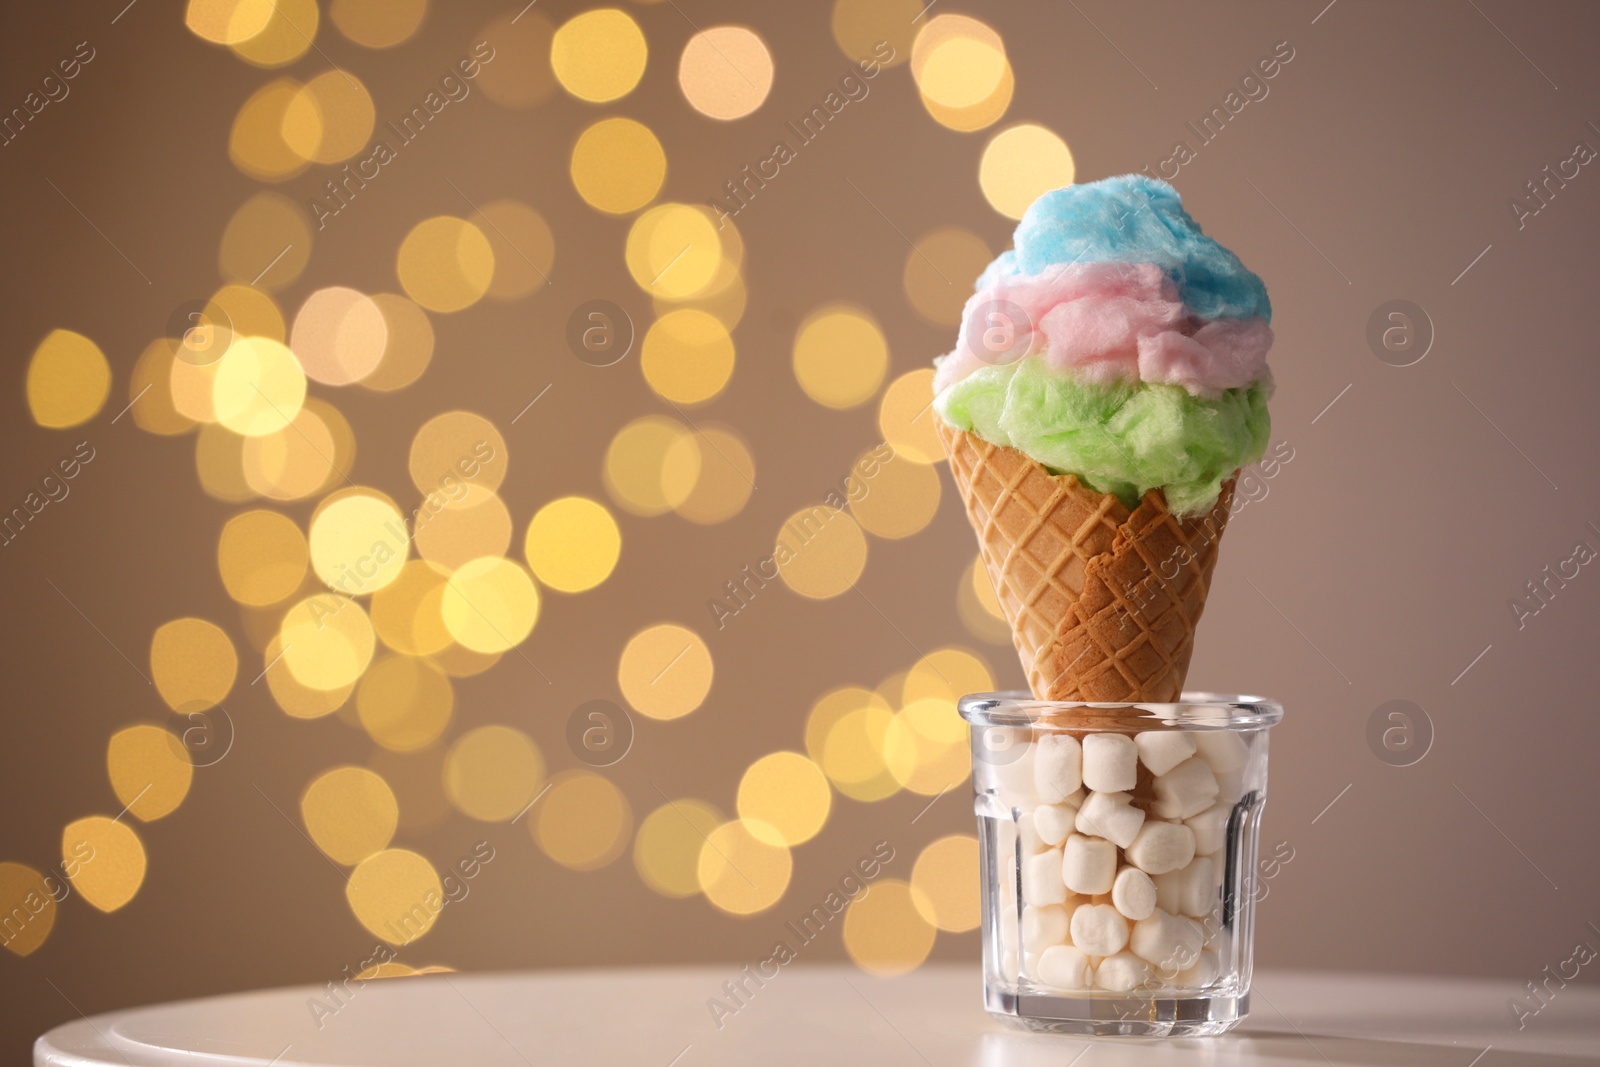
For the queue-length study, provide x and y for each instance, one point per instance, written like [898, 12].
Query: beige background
[1378, 567]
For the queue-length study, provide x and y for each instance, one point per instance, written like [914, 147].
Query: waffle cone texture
[1102, 602]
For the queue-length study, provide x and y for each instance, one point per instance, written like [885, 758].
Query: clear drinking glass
[1097, 916]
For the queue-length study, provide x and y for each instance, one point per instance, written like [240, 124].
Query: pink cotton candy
[1106, 322]
[1223, 354]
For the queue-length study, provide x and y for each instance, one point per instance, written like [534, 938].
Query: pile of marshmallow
[1120, 881]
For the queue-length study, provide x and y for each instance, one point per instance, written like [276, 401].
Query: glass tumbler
[1118, 846]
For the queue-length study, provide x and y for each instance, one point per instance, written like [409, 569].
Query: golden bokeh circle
[618, 165]
[257, 143]
[981, 115]
[957, 61]
[840, 355]
[946, 878]
[740, 872]
[227, 22]
[599, 55]
[523, 244]
[820, 552]
[192, 663]
[150, 770]
[784, 798]
[727, 476]
[445, 263]
[25, 892]
[572, 544]
[327, 642]
[880, 31]
[378, 23]
[329, 119]
[1022, 163]
[457, 447]
[407, 613]
[219, 462]
[674, 251]
[947, 674]
[492, 773]
[68, 380]
[490, 604]
[396, 894]
[583, 821]
[666, 850]
[299, 460]
[902, 498]
[258, 388]
[906, 418]
[853, 754]
[350, 813]
[358, 541]
[665, 671]
[296, 699]
[927, 747]
[884, 931]
[725, 72]
[939, 271]
[408, 344]
[404, 703]
[340, 335]
[289, 33]
[105, 860]
[479, 524]
[267, 243]
[687, 356]
[150, 399]
[652, 465]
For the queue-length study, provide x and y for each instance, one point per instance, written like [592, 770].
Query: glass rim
[1196, 708]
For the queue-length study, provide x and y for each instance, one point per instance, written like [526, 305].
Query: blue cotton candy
[1133, 219]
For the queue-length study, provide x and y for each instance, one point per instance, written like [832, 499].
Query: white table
[833, 1016]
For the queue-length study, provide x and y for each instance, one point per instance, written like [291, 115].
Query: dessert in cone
[1095, 430]
[1082, 580]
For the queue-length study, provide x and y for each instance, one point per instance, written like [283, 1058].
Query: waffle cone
[1102, 602]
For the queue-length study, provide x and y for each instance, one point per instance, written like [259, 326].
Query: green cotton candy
[1117, 437]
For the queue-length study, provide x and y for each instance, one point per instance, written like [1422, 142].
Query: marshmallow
[1013, 778]
[1109, 815]
[1210, 829]
[1088, 865]
[1110, 762]
[1134, 894]
[1043, 926]
[1064, 967]
[1122, 973]
[1098, 930]
[1053, 822]
[1057, 767]
[1028, 833]
[1197, 888]
[1169, 890]
[1202, 973]
[1009, 962]
[1230, 786]
[1159, 847]
[1162, 750]
[1224, 750]
[1041, 878]
[1170, 942]
[1187, 789]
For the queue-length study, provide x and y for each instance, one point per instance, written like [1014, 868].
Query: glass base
[1109, 1016]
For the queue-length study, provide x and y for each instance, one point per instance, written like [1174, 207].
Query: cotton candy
[1123, 438]
[1133, 219]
